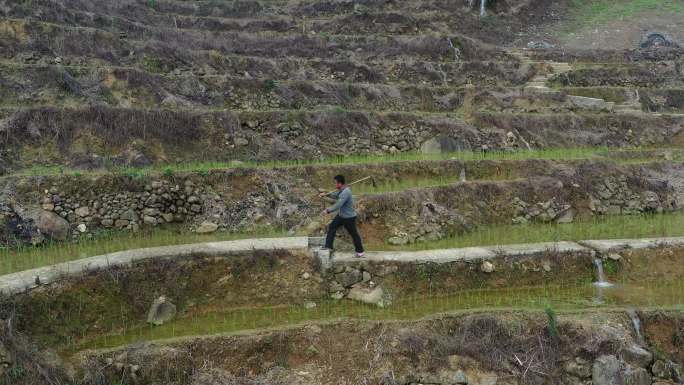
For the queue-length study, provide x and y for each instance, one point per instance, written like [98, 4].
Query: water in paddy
[565, 297]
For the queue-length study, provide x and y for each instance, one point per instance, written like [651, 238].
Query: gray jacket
[344, 203]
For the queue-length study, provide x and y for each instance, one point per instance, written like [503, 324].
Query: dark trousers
[350, 225]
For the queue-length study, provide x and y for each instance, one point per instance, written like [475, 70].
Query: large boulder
[52, 225]
[161, 311]
[443, 144]
[636, 376]
[371, 296]
[666, 370]
[349, 277]
[637, 356]
[129, 215]
[606, 371]
[206, 227]
[590, 104]
[657, 40]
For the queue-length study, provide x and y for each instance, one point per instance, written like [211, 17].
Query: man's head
[339, 181]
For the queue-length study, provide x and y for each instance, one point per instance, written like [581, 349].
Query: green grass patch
[401, 185]
[602, 227]
[587, 13]
[206, 166]
[30, 257]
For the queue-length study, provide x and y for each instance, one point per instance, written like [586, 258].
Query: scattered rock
[369, 296]
[637, 356]
[657, 40]
[606, 371]
[666, 370]
[591, 104]
[129, 215]
[52, 225]
[149, 220]
[48, 206]
[82, 211]
[614, 256]
[161, 311]
[399, 240]
[306, 275]
[578, 367]
[335, 287]
[660, 370]
[443, 144]
[82, 228]
[349, 277]
[366, 277]
[309, 305]
[636, 376]
[487, 267]
[206, 227]
[459, 378]
[567, 217]
[121, 223]
[6, 359]
[539, 45]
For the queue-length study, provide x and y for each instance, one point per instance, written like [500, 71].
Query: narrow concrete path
[472, 254]
[29, 279]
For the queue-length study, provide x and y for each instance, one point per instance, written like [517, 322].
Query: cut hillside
[523, 174]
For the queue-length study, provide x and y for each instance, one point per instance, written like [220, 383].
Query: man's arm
[330, 197]
[342, 198]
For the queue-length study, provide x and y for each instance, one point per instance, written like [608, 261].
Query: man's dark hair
[339, 178]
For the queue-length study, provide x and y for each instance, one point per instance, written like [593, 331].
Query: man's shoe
[360, 255]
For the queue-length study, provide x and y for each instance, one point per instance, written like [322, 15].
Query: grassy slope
[599, 12]
[611, 24]
[202, 167]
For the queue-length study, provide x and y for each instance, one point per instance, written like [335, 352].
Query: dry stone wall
[245, 199]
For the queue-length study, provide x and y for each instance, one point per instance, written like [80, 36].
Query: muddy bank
[499, 348]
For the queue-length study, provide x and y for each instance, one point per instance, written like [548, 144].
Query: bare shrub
[30, 365]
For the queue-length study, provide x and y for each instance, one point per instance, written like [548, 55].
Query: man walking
[346, 216]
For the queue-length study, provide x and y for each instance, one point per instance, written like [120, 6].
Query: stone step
[531, 90]
[628, 107]
[590, 104]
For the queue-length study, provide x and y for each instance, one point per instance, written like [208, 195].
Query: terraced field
[500, 144]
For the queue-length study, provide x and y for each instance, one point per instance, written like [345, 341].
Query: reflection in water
[562, 297]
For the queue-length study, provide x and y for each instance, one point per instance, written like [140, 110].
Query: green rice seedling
[546, 154]
[552, 321]
[603, 227]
